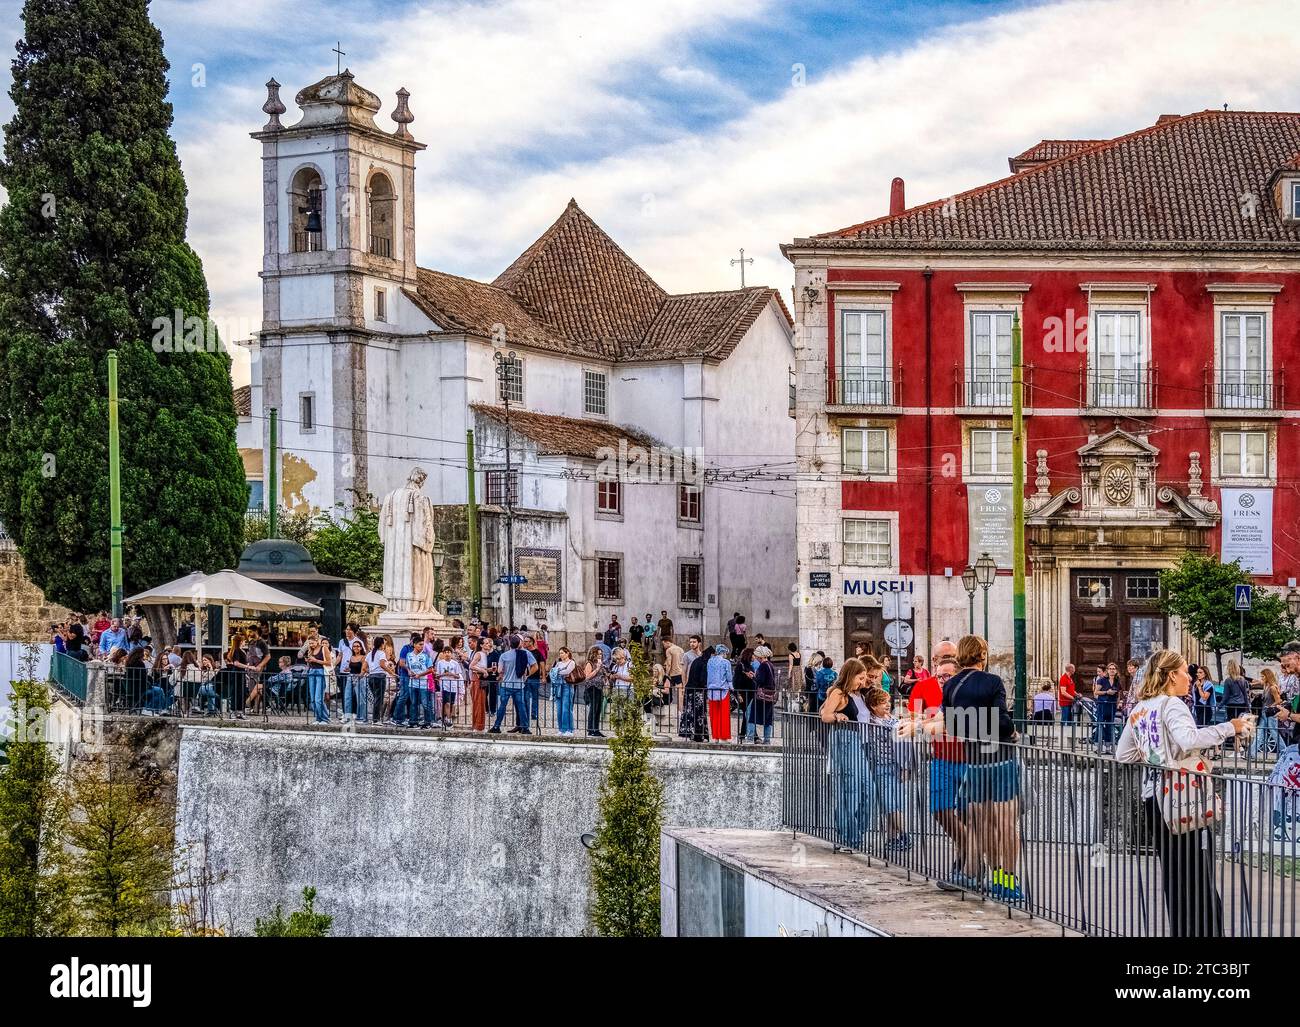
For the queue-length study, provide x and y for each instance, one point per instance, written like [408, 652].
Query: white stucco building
[376, 365]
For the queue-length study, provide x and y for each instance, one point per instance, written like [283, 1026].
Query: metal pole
[273, 476]
[986, 612]
[1018, 516]
[510, 522]
[475, 571]
[114, 490]
[970, 598]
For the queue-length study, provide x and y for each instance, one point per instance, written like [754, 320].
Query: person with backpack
[593, 677]
[515, 663]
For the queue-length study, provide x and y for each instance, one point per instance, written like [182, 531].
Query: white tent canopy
[224, 589]
[355, 593]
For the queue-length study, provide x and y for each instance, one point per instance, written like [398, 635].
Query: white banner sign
[1248, 529]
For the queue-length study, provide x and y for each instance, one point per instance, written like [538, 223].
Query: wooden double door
[1114, 617]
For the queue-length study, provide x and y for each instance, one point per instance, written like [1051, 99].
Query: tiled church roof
[1049, 149]
[574, 291]
[244, 401]
[573, 262]
[566, 436]
[1199, 182]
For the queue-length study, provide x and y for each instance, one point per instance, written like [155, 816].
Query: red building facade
[1156, 279]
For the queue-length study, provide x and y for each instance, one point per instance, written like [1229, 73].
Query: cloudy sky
[686, 128]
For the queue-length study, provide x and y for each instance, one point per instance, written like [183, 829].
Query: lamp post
[968, 583]
[439, 556]
[985, 571]
[507, 363]
[1293, 606]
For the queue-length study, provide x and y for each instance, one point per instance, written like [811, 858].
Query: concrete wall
[429, 836]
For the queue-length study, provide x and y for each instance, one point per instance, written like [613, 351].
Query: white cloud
[495, 87]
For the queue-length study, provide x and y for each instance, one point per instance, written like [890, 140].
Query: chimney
[896, 203]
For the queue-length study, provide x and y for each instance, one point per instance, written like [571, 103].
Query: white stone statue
[406, 530]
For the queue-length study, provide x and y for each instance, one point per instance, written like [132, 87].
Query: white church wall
[649, 397]
[306, 299]
[308, 455]
[755, 554]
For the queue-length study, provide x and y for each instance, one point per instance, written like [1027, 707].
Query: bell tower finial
[402, 114]
[274, 106]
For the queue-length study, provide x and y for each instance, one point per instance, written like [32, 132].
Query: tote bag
[1186, 795]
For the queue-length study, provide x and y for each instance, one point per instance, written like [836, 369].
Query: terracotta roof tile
[1174, 186]
[566, 436]
[244, 401]
[574, 260]
[1049, 149]
[574, 291]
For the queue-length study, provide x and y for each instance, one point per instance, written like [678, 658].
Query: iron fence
[1072, 837]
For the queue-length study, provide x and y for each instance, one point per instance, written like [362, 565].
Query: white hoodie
[1161, 731]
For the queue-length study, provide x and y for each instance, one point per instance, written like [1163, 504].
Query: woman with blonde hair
[1160, 732]
[847, 713]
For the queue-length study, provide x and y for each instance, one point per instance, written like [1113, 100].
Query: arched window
[383, 205]
[307, 205]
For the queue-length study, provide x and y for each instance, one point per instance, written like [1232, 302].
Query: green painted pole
[475, 571]
[114, 490]
[1018, 516]
[273, 476]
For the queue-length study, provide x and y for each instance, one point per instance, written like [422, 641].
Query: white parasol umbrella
[224, 589]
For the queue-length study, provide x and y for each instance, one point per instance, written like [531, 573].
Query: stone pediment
[1118, 485]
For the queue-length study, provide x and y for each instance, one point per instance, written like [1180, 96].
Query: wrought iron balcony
[1118, 390]
[856, 390]
[1247, 390]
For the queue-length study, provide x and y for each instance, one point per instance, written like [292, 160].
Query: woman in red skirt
[719, 678]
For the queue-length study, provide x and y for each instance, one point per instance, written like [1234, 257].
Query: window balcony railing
[381, 246]
[1252, 390]
[1118, 390]
[857, 390]
[989, 389]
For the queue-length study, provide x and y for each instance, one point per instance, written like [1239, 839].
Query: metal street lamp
[439, 557]
[1293, 604]
[507, 367]
[985, 571]
[968, 583]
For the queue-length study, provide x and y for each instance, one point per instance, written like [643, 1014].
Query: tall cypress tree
[93, 257]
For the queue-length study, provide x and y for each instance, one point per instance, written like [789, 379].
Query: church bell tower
[338, 217]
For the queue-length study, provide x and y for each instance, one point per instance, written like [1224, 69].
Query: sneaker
[494, 730]
[957, 881]
[900, 844]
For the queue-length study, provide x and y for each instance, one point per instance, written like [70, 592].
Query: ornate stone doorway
[1096, 550]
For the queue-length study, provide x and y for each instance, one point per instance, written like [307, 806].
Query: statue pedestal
[396, 624]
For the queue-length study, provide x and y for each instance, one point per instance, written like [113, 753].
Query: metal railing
[69, 676]
[381, 245]
[1065, 836]
[1250, 390]
[859, 391]
[308, 242]
[1118, 390]
[989, 388]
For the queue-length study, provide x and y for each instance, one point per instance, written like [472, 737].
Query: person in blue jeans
[845, 710]
[562, 690]
[319, 658]
[1105, 690]
[515, 663]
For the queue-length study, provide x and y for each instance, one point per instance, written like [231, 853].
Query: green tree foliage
[34, 882]
[93, 257]
[1200, 591]
[121, 863]
[301, 923]
[625, 856]
[297, 527]
[350, 547]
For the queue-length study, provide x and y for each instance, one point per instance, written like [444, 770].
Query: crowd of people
[953, 724]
